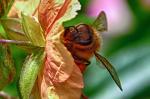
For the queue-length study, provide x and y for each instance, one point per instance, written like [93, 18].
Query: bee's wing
[110, 68]
[100, 24]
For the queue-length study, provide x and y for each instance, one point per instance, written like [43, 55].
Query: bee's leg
[84, 97]
[81, 60]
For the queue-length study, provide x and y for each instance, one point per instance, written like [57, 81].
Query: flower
[59, 77]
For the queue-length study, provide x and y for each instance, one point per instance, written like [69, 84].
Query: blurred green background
[126, 45]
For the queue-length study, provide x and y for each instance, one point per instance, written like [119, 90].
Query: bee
[84, 41]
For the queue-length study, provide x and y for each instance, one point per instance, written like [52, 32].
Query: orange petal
[59, 62]
[70, 89]
[51, 11]
[26, 6]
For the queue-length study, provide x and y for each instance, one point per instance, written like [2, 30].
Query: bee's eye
[84, 35]
[70, 33]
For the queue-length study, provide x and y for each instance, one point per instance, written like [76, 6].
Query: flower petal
[54, 12]
[26, 6]
[70, 89]
[59, 63]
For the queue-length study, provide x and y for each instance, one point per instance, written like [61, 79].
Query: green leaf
[33, 30]
[29, 73]
[2, 32]
[13, 29]
[7, 69]
[5, 6]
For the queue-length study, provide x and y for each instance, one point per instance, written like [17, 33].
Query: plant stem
[16, 42]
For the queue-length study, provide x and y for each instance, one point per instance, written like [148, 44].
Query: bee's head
[81, 34]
